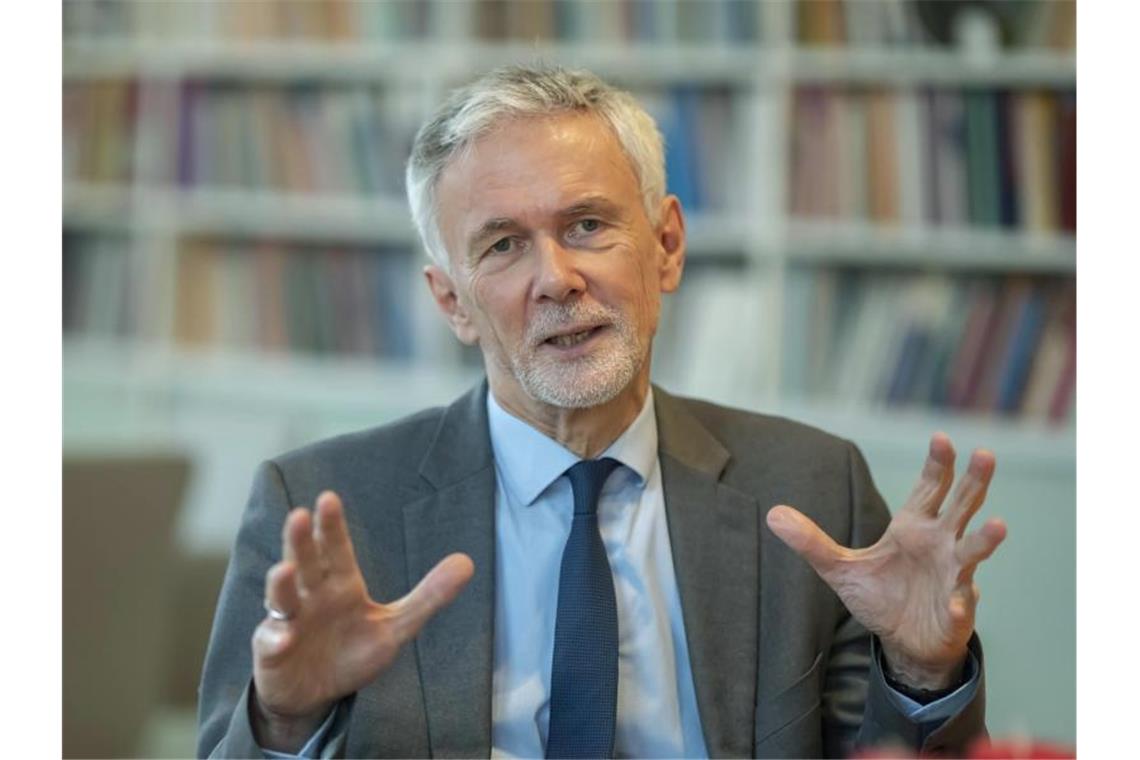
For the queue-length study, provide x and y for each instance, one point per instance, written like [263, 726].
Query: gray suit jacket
[780, 667]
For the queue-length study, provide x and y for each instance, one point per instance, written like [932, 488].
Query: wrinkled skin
[915, 587]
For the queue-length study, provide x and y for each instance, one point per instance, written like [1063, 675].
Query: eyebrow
[489, 228]
[590, 205]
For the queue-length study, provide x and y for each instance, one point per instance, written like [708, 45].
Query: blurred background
[881, 200]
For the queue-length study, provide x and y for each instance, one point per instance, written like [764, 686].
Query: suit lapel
[713, 530]
[454, 651]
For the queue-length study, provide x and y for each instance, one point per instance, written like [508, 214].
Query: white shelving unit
[231, 408]
[760, 240]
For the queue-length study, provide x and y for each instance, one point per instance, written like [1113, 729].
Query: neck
[587, 432]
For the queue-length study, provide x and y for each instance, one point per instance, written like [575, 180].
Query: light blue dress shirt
[534, 506]
[657, 714]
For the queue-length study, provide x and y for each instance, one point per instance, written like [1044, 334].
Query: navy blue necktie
[583, 680]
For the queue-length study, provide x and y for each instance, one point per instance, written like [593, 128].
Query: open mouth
[570, 340]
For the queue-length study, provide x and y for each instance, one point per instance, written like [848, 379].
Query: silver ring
[275, 613]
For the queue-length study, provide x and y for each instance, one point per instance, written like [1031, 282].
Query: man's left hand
[915, 588]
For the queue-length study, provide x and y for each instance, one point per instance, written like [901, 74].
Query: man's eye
[589, 225]
[502, 246]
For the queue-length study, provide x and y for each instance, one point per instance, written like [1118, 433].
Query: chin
[580, 385]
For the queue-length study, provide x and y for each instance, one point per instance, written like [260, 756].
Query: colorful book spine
[306, 299]
[975, 345]
[978, 158]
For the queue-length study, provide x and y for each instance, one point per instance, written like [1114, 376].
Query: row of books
[1002, 346]
[247, 20]
[328, 140]
[1048, 23]
[878, 23]
[973, 157]
[275, 297]
[701, 127]
[325, 140]
[99, 121]
[96, 290]
[340, 21]
[711, 340]
[636, 21]
[346, 140]
[987, 345]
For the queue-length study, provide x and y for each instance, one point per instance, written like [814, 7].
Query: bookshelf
[172, 338]
[201, 138]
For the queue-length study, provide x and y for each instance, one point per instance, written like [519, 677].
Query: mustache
[555, 318]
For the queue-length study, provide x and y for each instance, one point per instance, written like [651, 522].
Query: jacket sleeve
[227, 679]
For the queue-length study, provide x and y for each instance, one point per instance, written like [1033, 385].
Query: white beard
[587, 381]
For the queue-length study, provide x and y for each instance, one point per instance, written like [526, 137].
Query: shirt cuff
[313, 746]
[940, 709]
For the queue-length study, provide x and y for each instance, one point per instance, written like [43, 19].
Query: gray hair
[521, 91]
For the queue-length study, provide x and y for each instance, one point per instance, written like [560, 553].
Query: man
[599, 563]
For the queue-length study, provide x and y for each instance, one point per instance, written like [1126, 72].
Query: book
[983, 393]
[949, 181]
[1052, 355]
[882, 158]
[194, 315]
[1034, 115]
[982, 160]
[1025, 333]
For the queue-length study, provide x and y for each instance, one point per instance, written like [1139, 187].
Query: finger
[301, 549]
[435, 591]
[333, 541]
[978, 545]
[963, 605]
[281, 591]
[806, 538]
[971, 491]
[272, 637]
[271, 640]
[934, 481]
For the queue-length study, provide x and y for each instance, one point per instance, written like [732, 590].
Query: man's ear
[446, 297]
[670, 238]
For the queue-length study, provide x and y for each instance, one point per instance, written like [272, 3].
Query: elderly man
[569, 561]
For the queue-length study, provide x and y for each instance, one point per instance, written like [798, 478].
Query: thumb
[805, 538]
[435, 591]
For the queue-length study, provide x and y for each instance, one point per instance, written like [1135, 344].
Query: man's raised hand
[915, 587]
[323, 637]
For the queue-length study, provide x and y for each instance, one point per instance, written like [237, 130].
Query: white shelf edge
[303, 383]
[932, 67]
[343, 384]
[409, 62]
[951, 249]
[235, 212]
[402, 61]
[310, 217]
[1015, 440]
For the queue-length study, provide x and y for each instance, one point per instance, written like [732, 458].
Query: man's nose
[558, 276]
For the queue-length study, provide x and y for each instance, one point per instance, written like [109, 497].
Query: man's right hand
[335, 638]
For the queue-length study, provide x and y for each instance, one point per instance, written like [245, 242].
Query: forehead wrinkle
[481, 163]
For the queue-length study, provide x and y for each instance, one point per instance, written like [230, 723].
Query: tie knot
[587, 478]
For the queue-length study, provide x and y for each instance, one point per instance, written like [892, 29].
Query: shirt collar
[528, 461]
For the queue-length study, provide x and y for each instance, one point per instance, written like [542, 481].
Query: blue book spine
[680, 149]
[1007, 170]
[1023, 346]
[393, 327]
[913, 347]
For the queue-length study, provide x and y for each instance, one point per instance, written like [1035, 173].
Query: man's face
[556, 270]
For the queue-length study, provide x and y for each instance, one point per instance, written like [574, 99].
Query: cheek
[497, 304]
[644, 288]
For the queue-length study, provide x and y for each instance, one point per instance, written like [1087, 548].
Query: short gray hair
[522, 91]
